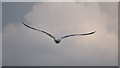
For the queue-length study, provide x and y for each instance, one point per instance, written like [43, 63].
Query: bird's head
[57, 40]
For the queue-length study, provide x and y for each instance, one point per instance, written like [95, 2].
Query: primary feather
[39, 30]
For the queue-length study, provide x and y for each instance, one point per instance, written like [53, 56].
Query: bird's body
[58, 39]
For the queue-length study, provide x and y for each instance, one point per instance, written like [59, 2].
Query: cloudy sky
[22, 46]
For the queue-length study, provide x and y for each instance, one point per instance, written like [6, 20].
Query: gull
[57, 40]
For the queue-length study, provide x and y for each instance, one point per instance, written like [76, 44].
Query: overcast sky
[22, 46]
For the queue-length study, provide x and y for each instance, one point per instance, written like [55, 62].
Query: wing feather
[38, 30]
[78, 34]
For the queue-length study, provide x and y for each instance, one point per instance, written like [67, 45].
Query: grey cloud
[112, 14]
[14, 14]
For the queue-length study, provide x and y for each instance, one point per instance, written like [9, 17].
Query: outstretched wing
[38, 30]
[78, 34]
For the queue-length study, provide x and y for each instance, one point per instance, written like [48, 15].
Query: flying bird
[57, 40]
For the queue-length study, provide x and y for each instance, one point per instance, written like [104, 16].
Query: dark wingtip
[23, 22]
[93, 32]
